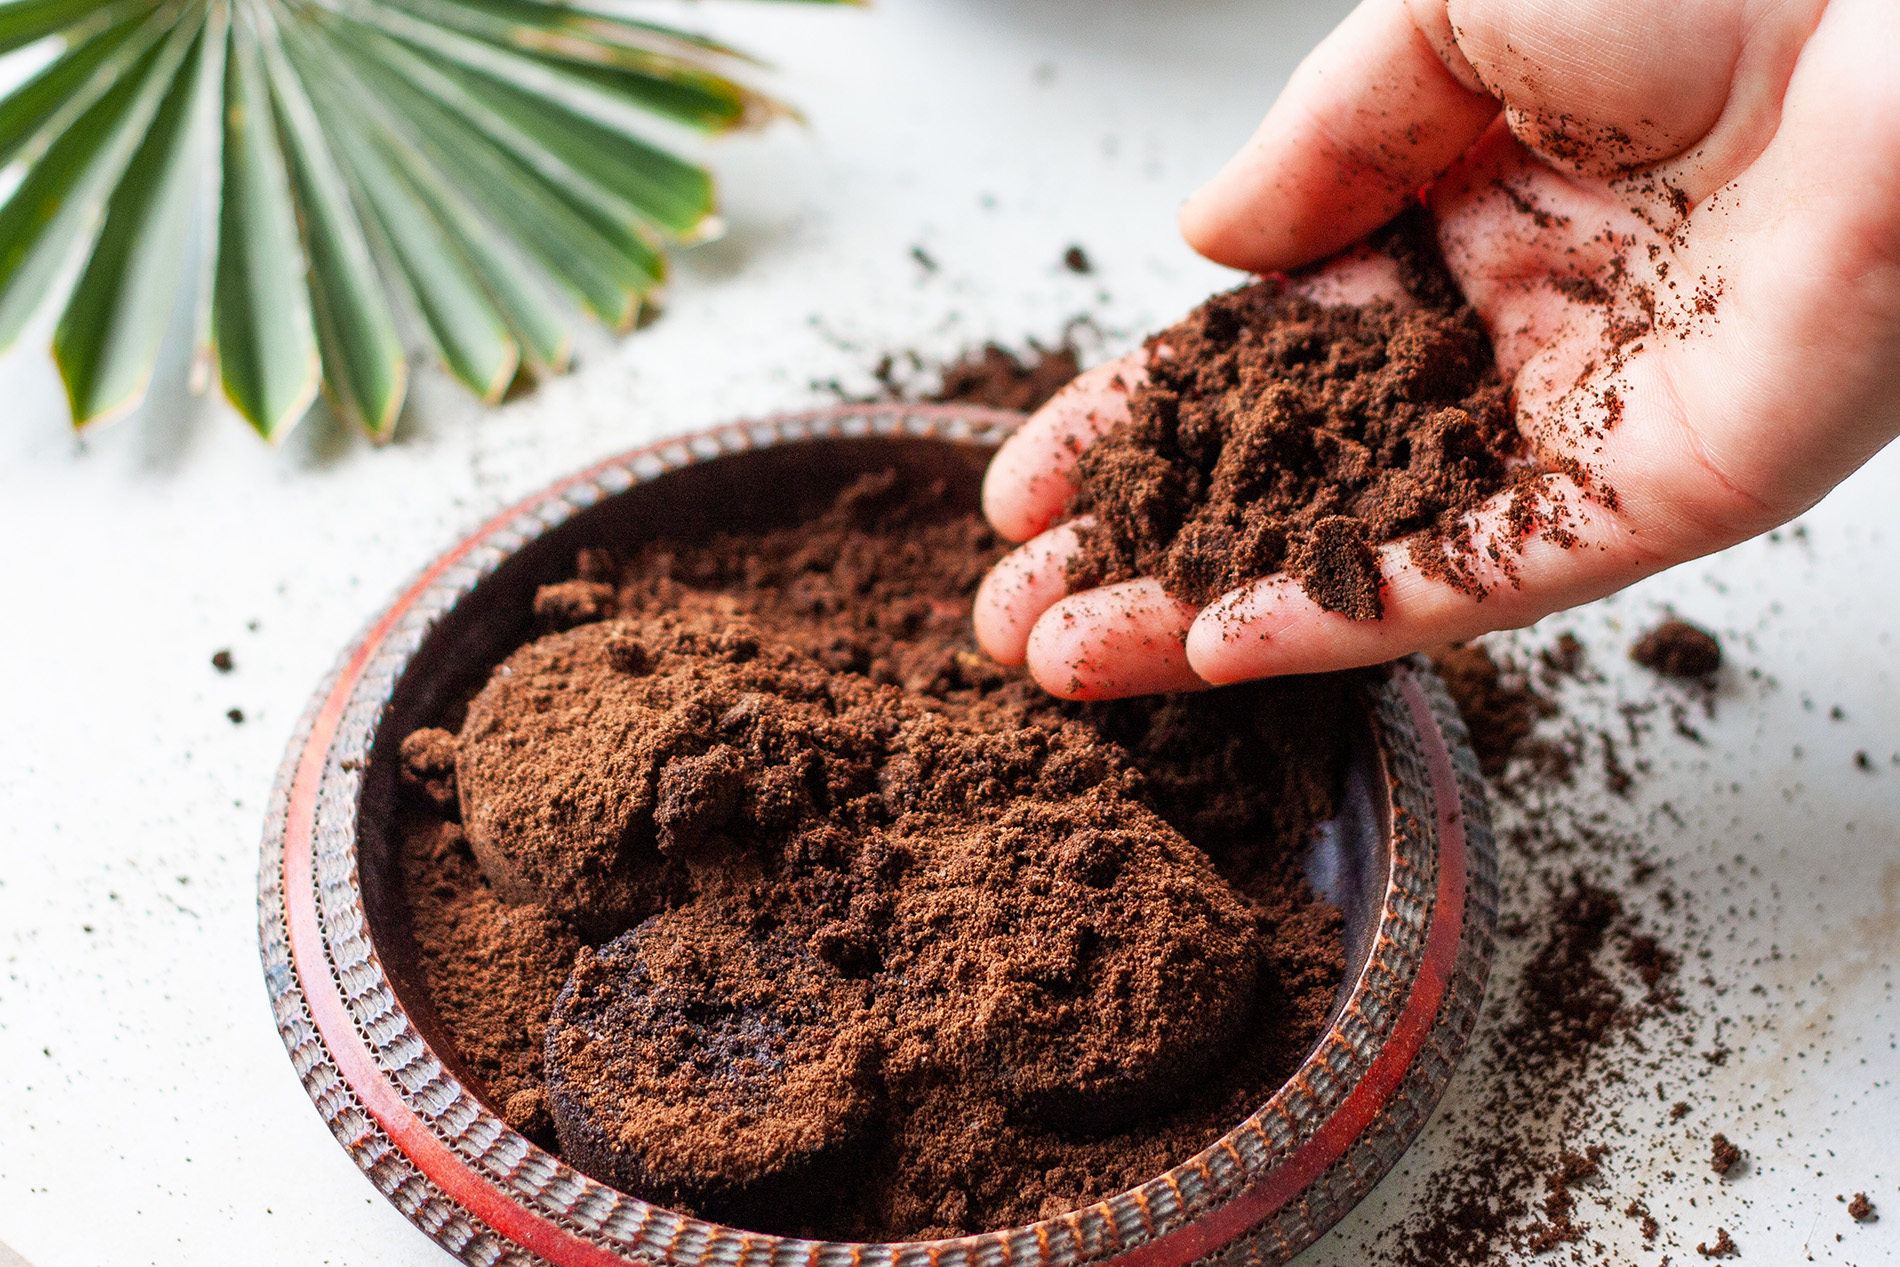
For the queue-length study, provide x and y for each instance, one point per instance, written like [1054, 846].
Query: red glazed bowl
[1409, 860]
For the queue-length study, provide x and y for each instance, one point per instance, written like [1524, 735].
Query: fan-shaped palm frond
[482, 167]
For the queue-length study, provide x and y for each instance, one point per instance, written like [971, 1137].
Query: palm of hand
[1701, 346]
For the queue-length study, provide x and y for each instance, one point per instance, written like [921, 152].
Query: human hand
[1724, 175]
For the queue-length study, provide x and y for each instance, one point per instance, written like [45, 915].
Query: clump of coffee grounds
[1500, 710]
[1723, 1156]
[1274, 433]
[1678, 649]
[991, 376]
[758, 877]
[1001, 379]
[1860, 1209]
[1724, 1246]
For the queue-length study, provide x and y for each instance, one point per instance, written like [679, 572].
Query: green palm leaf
[483, 171]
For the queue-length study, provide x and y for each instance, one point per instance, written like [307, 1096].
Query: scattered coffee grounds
[222, 661]
[1723, 1156]
[1724, 1247]
[1076, 260]
[1679, 649]
[752, 874]
[1550, 1146]
[235, 716]
[1860, 1209]
[1276, 433]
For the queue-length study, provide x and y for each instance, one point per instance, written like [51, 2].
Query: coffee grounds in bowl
[1275, 433]
[842, 929]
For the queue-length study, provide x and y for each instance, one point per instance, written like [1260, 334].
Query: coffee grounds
[1860, 1209]
[837, 895]
[998, 378]
[1723, 1156]
[1678, 649]
[1724, 1247]
[1586, 1001]
[493, 969]
[1500, 711]
[1276, 433]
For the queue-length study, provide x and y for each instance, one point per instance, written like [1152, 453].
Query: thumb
[1369, 118]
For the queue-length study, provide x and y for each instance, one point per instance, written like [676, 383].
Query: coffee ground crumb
[1724, 1246]
[1274, 433]
[1723, 1156]
[222, 661]
[1678, 649]
[1678, 1110]
[1860, 1209]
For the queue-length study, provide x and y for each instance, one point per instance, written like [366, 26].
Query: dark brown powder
[1678, 649]
[1276, 433]
[1581, 993]
[1724, 1246]
[821, 890]
[1860, 1209]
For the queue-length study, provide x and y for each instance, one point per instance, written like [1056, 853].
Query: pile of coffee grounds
[1724, 1246]
[1274, 433]
[751, 875]
[1860, 1209]
[1678, 649]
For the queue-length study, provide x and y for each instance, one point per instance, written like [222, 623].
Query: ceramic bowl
[1409, 860]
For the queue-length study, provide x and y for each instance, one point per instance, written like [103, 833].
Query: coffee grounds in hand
[1274, 433]
[821, 890]
[1678, 649]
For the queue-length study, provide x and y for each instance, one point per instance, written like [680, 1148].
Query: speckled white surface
[147, 1112]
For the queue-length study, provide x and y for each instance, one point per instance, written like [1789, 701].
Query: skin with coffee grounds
[1614, 189]
[833, 891]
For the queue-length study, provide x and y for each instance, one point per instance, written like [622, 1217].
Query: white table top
[147, 1111]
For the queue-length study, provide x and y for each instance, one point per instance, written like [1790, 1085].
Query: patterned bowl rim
[1260, 1193]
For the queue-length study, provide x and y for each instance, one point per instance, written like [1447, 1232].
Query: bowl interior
[1348, 861]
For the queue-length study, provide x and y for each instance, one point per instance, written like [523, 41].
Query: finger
[1360, 275]
[1602, 86]
[1111, 642]
[1027, 484]
[1021, 587]
[1272, 627]
[1370, 117]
